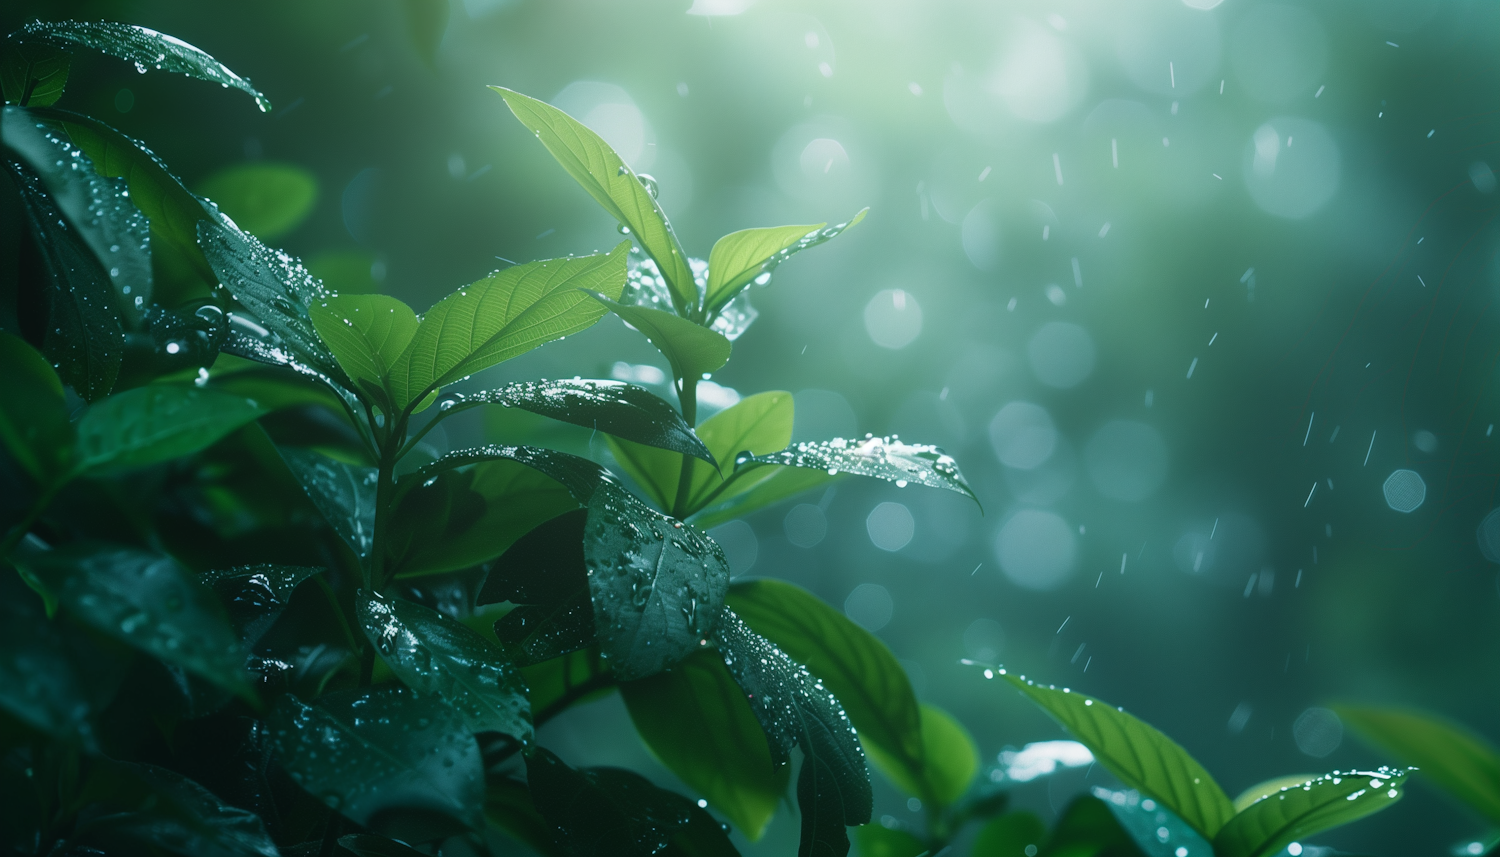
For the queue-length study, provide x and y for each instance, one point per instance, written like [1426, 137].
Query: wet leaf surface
[1156, 830]
[157, 423]
[33, 415]
[171, 813]
[743, 257]
[692, 350]
[268, 199]
[256, 595]
[344, 493]
[367, 334]
[545, 575]
[32, 73]
[434, 654]
[1460, 761]
[1297, 812]
[376, 750]
[881, 457]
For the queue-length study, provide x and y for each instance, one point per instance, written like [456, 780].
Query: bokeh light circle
[1318, 732]
[980, 234]
[1036, 549]
[1170, 51]
[1061, 354]
[1277, 52]
[870, 606]
[890, 526]
[893, 318]
[984, 640]
[1126, 460]
[1040, 77]
[1291, 166]
[1023, 435]
[805, 525]
[1488, 535]
[1404, 490]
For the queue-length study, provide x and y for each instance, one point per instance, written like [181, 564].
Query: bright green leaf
[1296, 812]
[157, 423]
[368, 751]
[433, 654]
[1456, 759]
[1009, 835]
[502, 316]
[1142, 757]
[367, 334]
[879, 457]
[692, 350]
[35, 73]
[951, 758]
[1262, 789]
[601, 172]
[696, 721]
[148, 601]
[876, 840]
[33, 418]
[265, 198]
[742, 257]
[145, 47]
[851, 662]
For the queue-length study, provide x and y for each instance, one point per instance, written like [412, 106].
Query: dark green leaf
[881, 457]
[157, 423]
[368, 751]
[760, 423]
[851, 662]
[344, 493]
[146, 48]
[508, 806]
[85, 332]
[1459, 761]
[780, 483]
[697, 722]
[544, 574]
[98, 209]
[947, 765]
[1142, 757]
[613, 407]
[693, 351]
[1156, 830]
[601, 172]
[617, 812]
[876, 840]
[795, 709]
[456, 520]
[33, 417]
[256, 595]
[148, 601]
[277, 292]
[552, 682]
[171, 813]
[55, 681]
[367, 334]
[1009, 835]
[741, 257]
[656, 583]
[426, 21]
[234, 757]
[1087, 827]
[33, 73]
[265, 198]
[375, 845]
[1332, 800]
[502, 316]
[433, 654]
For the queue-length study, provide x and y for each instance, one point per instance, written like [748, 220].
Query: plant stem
[687, 394]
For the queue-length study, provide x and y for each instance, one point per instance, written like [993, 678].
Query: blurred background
[1199, 293]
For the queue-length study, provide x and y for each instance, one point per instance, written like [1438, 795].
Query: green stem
[20, 530]
[687, 394]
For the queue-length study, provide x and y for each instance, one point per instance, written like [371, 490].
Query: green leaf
[1333, 800]
[266, 198]
[692, 350]
[795, 709]
[1140, 756]
[656, 583]
[53, 680]
[544, 574]
[367, 334]
[696, 721]
[618, 812]
[1449, 755]
[760, 423]
[742, 257]
[1266, 787]
[34, 73]
[344, 493]
[601, 172]
[778, 484]
[948, 763]
[508, 806]
[256, 594]
[1088, 827]
[1009, 835]
[33, 417]
[368, 751]
[433, 654]
[881, 457]
[852, 663]
[375, 845]
[148, 601]
[277, 293]
[157, 423]
[463, 519]
[170, 813]
[551, 681]
[426, 21]
[502, 316]
[876, 840]
[146, 48]
[1156, 830]
[613, 407]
